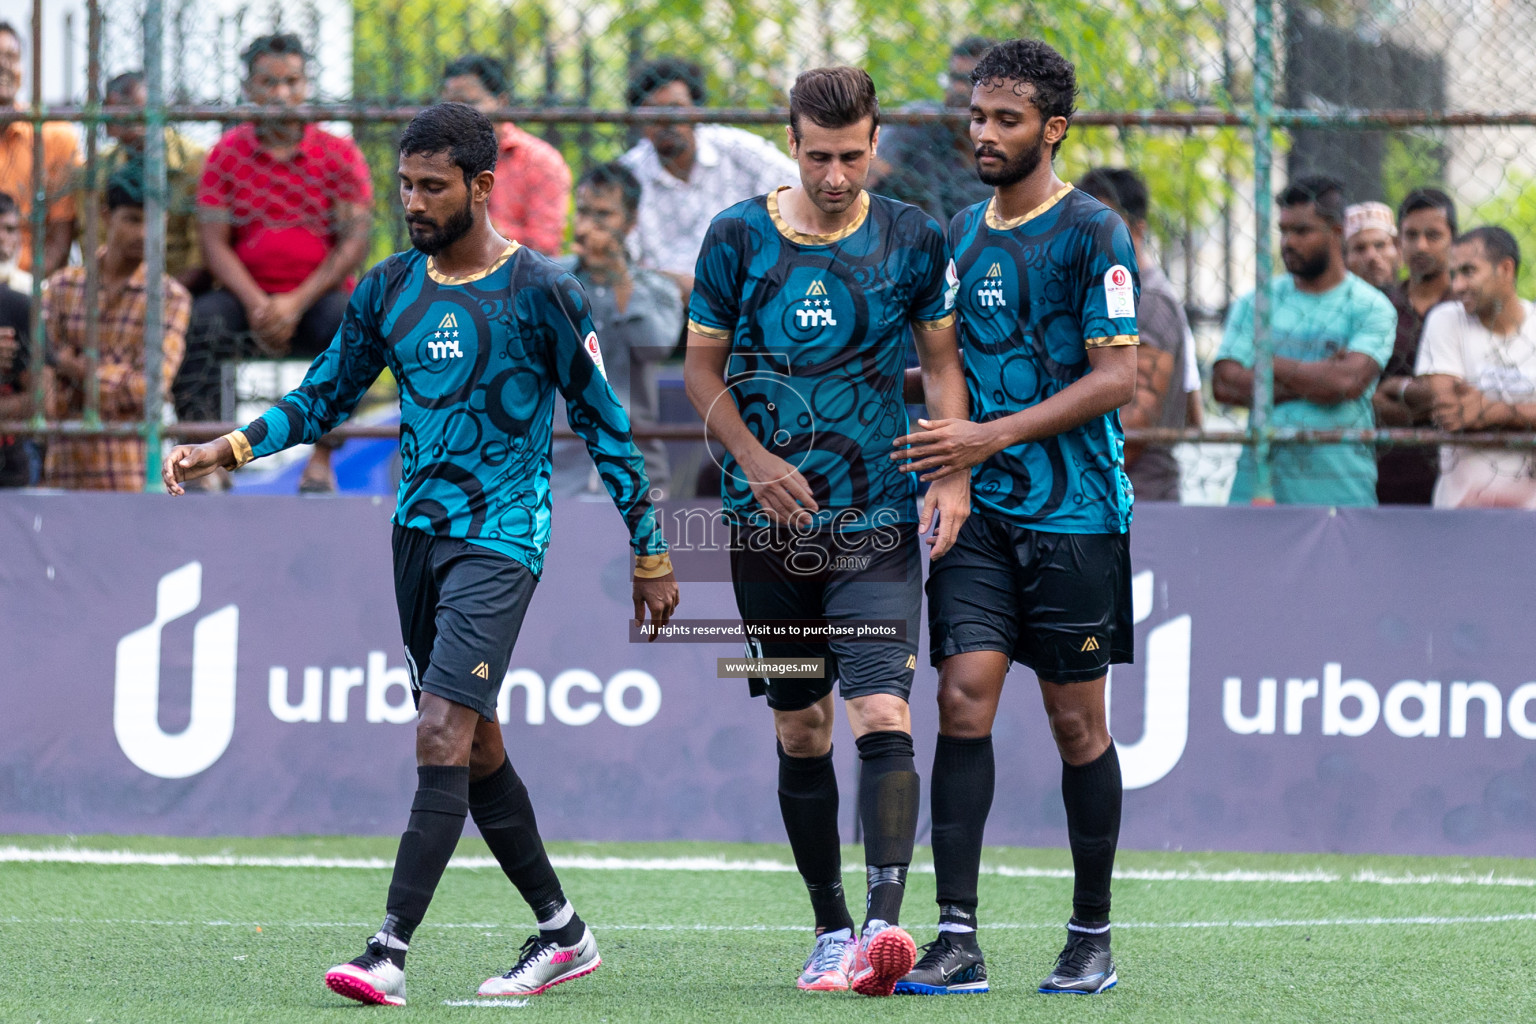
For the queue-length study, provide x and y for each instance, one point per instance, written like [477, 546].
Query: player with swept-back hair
[1040, 573]
[798, 330]
[480, 332]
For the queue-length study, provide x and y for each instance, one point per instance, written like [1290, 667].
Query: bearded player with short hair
[1040, 574]
[480, 332]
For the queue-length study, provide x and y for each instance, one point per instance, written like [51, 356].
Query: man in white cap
[1370, 244]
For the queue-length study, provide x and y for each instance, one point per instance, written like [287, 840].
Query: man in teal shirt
[1332, 334]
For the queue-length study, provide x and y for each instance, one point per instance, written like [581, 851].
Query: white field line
[510, 928]
[133, 858]
[486, 1002]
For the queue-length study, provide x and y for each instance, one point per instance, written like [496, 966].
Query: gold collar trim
[996, 223]
[801, 238]
[442, 278]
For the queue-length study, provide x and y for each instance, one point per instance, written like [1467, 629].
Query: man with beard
[1040, 573]
[1332, 334]
[797, 336]
[284, 211]
[479, 332]
[687, 172]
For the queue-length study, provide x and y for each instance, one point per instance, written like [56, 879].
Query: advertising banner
[1305, 680]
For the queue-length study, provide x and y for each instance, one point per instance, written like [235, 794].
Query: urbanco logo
[1166, 704]
[136, 700]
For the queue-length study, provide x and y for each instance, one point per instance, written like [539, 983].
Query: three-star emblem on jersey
[990, 292]
[815, 309]
[446, 339]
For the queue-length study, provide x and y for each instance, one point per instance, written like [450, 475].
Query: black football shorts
[461, 607]
[1058, 603]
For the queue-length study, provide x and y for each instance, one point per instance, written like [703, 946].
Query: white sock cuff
[950, 926]
[560, 920]
[389, 941]
[1103, 930]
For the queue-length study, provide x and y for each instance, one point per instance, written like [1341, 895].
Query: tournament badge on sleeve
[594, 353]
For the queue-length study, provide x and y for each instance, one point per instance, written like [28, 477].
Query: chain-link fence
[1216, 107]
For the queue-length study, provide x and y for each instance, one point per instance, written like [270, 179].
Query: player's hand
[945, 447]
[780, 489]
[191, 461]
[946, 507]
[660, 596]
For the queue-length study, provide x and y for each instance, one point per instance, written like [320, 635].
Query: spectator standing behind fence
[108, 463]
[18, 463]
[183, 168]
[532, 195]
[1332, 336]
[934, 165]
[284, 216]
[1477, 371]
[688, 173]
[637, 313]
[1166, 373]
[61, 155]
[1370, 244]
[11, 275]
[1427, 223]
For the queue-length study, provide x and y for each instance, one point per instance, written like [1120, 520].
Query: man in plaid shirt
[108, 463]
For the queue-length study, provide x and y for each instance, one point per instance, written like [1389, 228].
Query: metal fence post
[38, 218]
[1263, 352]
[154, 235]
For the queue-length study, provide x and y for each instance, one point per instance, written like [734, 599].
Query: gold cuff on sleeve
[650, 567]
[1112, 341]
[947, 320]
[240, 446]
[718, 333]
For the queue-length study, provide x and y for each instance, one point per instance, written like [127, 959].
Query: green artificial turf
[1194, 941]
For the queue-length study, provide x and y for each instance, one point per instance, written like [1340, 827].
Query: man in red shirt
[283, 209]
[531, 199]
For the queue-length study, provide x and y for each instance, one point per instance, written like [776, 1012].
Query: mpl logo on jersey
[989, 293]
[574, 697]
[815, 310]
[446, 339]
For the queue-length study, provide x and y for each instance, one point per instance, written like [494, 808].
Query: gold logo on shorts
[912, 661]
[482, 670]
[1091, 644]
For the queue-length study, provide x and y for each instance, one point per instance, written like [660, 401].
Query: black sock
[437, 820]
[1092, 794]
[964, 776]
[808, 801]
[504, 815]
[888, 798]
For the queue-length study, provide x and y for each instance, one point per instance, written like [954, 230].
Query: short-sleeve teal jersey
[818, 326]
[1352, 317]
[477, 361]
[1036, 294]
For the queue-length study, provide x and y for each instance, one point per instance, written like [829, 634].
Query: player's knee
[965, 706]
[439, 742]
[1077, 734]
[805, 733]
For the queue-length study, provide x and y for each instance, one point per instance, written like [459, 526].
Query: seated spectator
[1427, 224]
[532, 194]
[688, 173]
[1370, 244]
[1477, 371]
[1165, 360]
[61, 155]
[934, 165]
[183, 169]
[18, 456]
[108, 463]
[11, 274]
[284, 210]
[637, 312]
[1332, 336]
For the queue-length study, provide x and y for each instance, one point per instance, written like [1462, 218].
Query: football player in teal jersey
[479, 332]
[803, 305]
[1040, 574]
